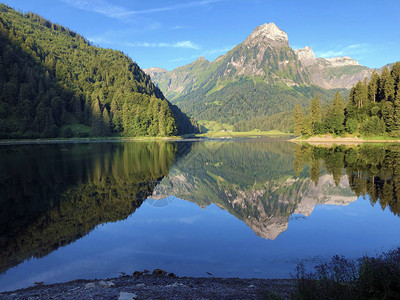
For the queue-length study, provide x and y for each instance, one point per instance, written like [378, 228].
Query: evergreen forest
[372, 109]
[54, 82]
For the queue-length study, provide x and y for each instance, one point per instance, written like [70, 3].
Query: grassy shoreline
[329, 139]
[212, 134]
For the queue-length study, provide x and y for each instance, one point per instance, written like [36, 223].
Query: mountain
[335, 72]
[265, 53]
[54, 82]
[260, 79]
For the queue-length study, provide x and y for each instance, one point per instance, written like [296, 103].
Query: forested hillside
[53, 82]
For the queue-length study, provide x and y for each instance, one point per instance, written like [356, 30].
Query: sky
[172, 33]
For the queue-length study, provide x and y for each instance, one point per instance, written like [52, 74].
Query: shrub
[395, 133]
[365, 278]
[375, 111]
[373, 126]
[351, 125]
[68, 133]
[319, 128]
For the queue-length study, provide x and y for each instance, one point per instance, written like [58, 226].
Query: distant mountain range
[260, 77]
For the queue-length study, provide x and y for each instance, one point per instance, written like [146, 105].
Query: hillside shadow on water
[52, 195]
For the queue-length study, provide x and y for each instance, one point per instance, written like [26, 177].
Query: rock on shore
[158, 287]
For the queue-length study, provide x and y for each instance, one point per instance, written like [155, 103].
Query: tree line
[53, 82]
[373, 108]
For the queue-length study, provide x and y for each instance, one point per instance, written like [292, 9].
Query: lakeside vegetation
[364, 278]
[373, 173]
[53, 82]
[253, 133]
[372, 110]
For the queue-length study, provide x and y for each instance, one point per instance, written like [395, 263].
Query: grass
[215, 126]
[341, 278]
[243, 134]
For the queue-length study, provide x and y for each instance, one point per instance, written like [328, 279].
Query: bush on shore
[341, 278]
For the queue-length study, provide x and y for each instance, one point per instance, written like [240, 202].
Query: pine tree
[388, 115]
[381, 84]
[361, 94]
[97, 118]
[397, 112]
[388, 89]
[106, 130]
[298, 120]
[395, 73]
[315, 113]
[335, 116]
[351, 111]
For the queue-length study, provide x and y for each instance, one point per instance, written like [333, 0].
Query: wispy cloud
[177, 6]
[101, 7]
[107, 41]
[350, 50]
[179, 27]
[119, 12]
[181, 44]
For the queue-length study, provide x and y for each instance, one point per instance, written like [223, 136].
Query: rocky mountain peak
[269, 33]
[155, 70]
[306, 56]
[342, 61]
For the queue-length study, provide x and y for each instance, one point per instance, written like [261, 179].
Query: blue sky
[171, 33]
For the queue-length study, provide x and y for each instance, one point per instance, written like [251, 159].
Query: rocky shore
[159, 285]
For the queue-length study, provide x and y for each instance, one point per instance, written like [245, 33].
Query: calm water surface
[237, 208]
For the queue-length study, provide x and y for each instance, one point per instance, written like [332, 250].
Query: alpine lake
[247, 208]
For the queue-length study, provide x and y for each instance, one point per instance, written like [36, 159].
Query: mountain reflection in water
[53, 195]
[254, 181]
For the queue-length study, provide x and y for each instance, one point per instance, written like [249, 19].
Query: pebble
[140, 285]
[106, 284]
[90, 285]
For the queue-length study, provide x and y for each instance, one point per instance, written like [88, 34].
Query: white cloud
[100, 7]
[351, 50]
[119, 12]
[181, 44]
